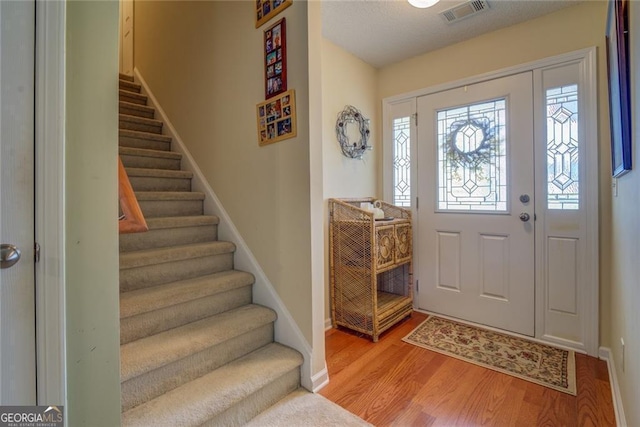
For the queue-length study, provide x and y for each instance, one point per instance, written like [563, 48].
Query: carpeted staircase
[194, 349]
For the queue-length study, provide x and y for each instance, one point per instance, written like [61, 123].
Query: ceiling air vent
[464, 10]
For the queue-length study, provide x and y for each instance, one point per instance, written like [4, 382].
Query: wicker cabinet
[371, 266]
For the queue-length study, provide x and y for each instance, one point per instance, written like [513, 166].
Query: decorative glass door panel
[472, 157]
[475, 155]
[402, 161]
[563, 181]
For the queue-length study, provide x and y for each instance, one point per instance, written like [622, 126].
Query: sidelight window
[562, 148]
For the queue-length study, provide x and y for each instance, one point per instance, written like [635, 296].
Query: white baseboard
[328, 324]
[286, 331]
[605, 354]
[320, 380]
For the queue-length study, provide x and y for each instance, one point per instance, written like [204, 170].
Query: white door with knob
[17, 303]
[476, 203]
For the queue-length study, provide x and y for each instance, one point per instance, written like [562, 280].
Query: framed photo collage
[276, 116]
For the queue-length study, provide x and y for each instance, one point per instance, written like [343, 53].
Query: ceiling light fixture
[422, 4]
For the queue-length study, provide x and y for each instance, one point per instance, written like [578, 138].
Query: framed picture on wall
[619, 86]
[267, 9]
[275, 59]
[277, 118]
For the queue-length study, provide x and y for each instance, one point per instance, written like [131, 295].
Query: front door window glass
[472, 157]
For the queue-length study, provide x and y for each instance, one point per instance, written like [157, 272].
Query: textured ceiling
[382, 32]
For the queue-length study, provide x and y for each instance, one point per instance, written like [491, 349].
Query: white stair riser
[157, 274]
[148, 386]
[142, 325]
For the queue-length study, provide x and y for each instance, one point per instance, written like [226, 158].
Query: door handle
[9, 255]
[524, 217]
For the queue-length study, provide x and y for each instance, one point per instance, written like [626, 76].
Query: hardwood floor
[392, 383]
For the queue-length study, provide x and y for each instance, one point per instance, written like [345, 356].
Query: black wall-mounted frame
[619, 90]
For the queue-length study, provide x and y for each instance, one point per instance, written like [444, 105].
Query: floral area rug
[528, 360]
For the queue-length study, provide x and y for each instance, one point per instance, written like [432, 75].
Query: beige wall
[204, 63]
[92, 319]
[625, 251]
[347, 80]
[570, 29]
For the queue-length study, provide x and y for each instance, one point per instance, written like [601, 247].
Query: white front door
[476, 203]
[17, 313]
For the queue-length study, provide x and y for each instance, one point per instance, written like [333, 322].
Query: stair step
[303, 408]
[174, 253]
[149, 159]
[144, 140]
[157, 364]
[136, 110]
[129, 86]
[194, 349]
[141, 269]
[140, 124]
[143, 179]
[125, 77]
[168, 231]
[134, 98]
[231, 395]
[170, 203]
[147, 354]
[152, 310]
